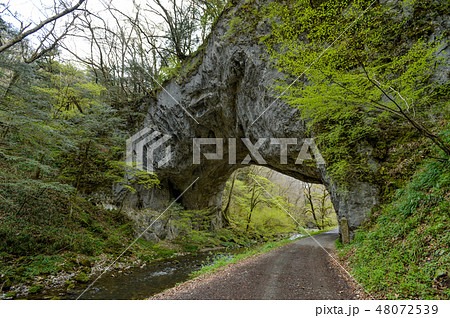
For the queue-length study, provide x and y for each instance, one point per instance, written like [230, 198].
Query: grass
[51, 236]
[224, 260]
[405, 253]
[76, 244]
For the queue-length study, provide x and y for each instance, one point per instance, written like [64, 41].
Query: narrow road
[300, 270]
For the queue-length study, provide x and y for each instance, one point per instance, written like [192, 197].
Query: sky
[34, 11]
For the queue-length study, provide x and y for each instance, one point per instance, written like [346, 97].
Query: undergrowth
[405, 254]
[224, 260]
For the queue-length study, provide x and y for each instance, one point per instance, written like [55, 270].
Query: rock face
[225, 92]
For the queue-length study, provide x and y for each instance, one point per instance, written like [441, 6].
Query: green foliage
[406, 253]
[235, 23]
[245, 16]
[193, 228]
[225, 260]
[27, 268]
[171, 70]
[58, 141]
[361, 94]
[196, 240]
[353, 87]
[130, 177]
[210, 14]
[69, 91]
[256, 207]
[35, 289]
[81, 278]
[55, 128]
[49, 225]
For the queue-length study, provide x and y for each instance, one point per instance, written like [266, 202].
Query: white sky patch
[34, 11]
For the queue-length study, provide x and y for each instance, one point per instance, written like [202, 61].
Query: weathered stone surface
[345, 236]
[228, 95]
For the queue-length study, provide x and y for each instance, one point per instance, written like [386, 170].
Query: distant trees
[252, 203]
[132, 53]
[292, 192]
[258, 200]
[318, 205]
[256, 187]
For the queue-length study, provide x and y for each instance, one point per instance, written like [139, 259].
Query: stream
[144, 282]
[141, 283]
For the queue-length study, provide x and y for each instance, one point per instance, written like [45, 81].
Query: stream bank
[132, 277]
[65, 277]
[34, 276]
[139, 282]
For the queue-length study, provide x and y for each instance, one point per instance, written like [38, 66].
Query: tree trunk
[311, 203]
[225, 213]
[253, 203]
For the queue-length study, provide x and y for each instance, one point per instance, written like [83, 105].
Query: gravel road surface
[299, 270]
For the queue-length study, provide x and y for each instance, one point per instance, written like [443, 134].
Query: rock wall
[224, 91]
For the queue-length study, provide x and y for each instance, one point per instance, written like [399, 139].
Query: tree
[355, 71]
[138, 50]
[183, 20]
[55, 130]
[226, 211]
[210, 10]
[255, 197]
[254, 204]
[48, 37]
[320, 207]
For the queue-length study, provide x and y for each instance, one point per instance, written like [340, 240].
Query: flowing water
[141, 283]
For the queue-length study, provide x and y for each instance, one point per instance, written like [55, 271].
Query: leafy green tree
[356, 67]
[319, 206]
[253, 203]
[56, 131]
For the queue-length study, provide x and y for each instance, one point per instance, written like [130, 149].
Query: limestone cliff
[224, 91]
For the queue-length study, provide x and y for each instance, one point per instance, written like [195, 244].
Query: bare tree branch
[23, 34]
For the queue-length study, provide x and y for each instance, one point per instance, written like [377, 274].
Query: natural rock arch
[221, 93]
